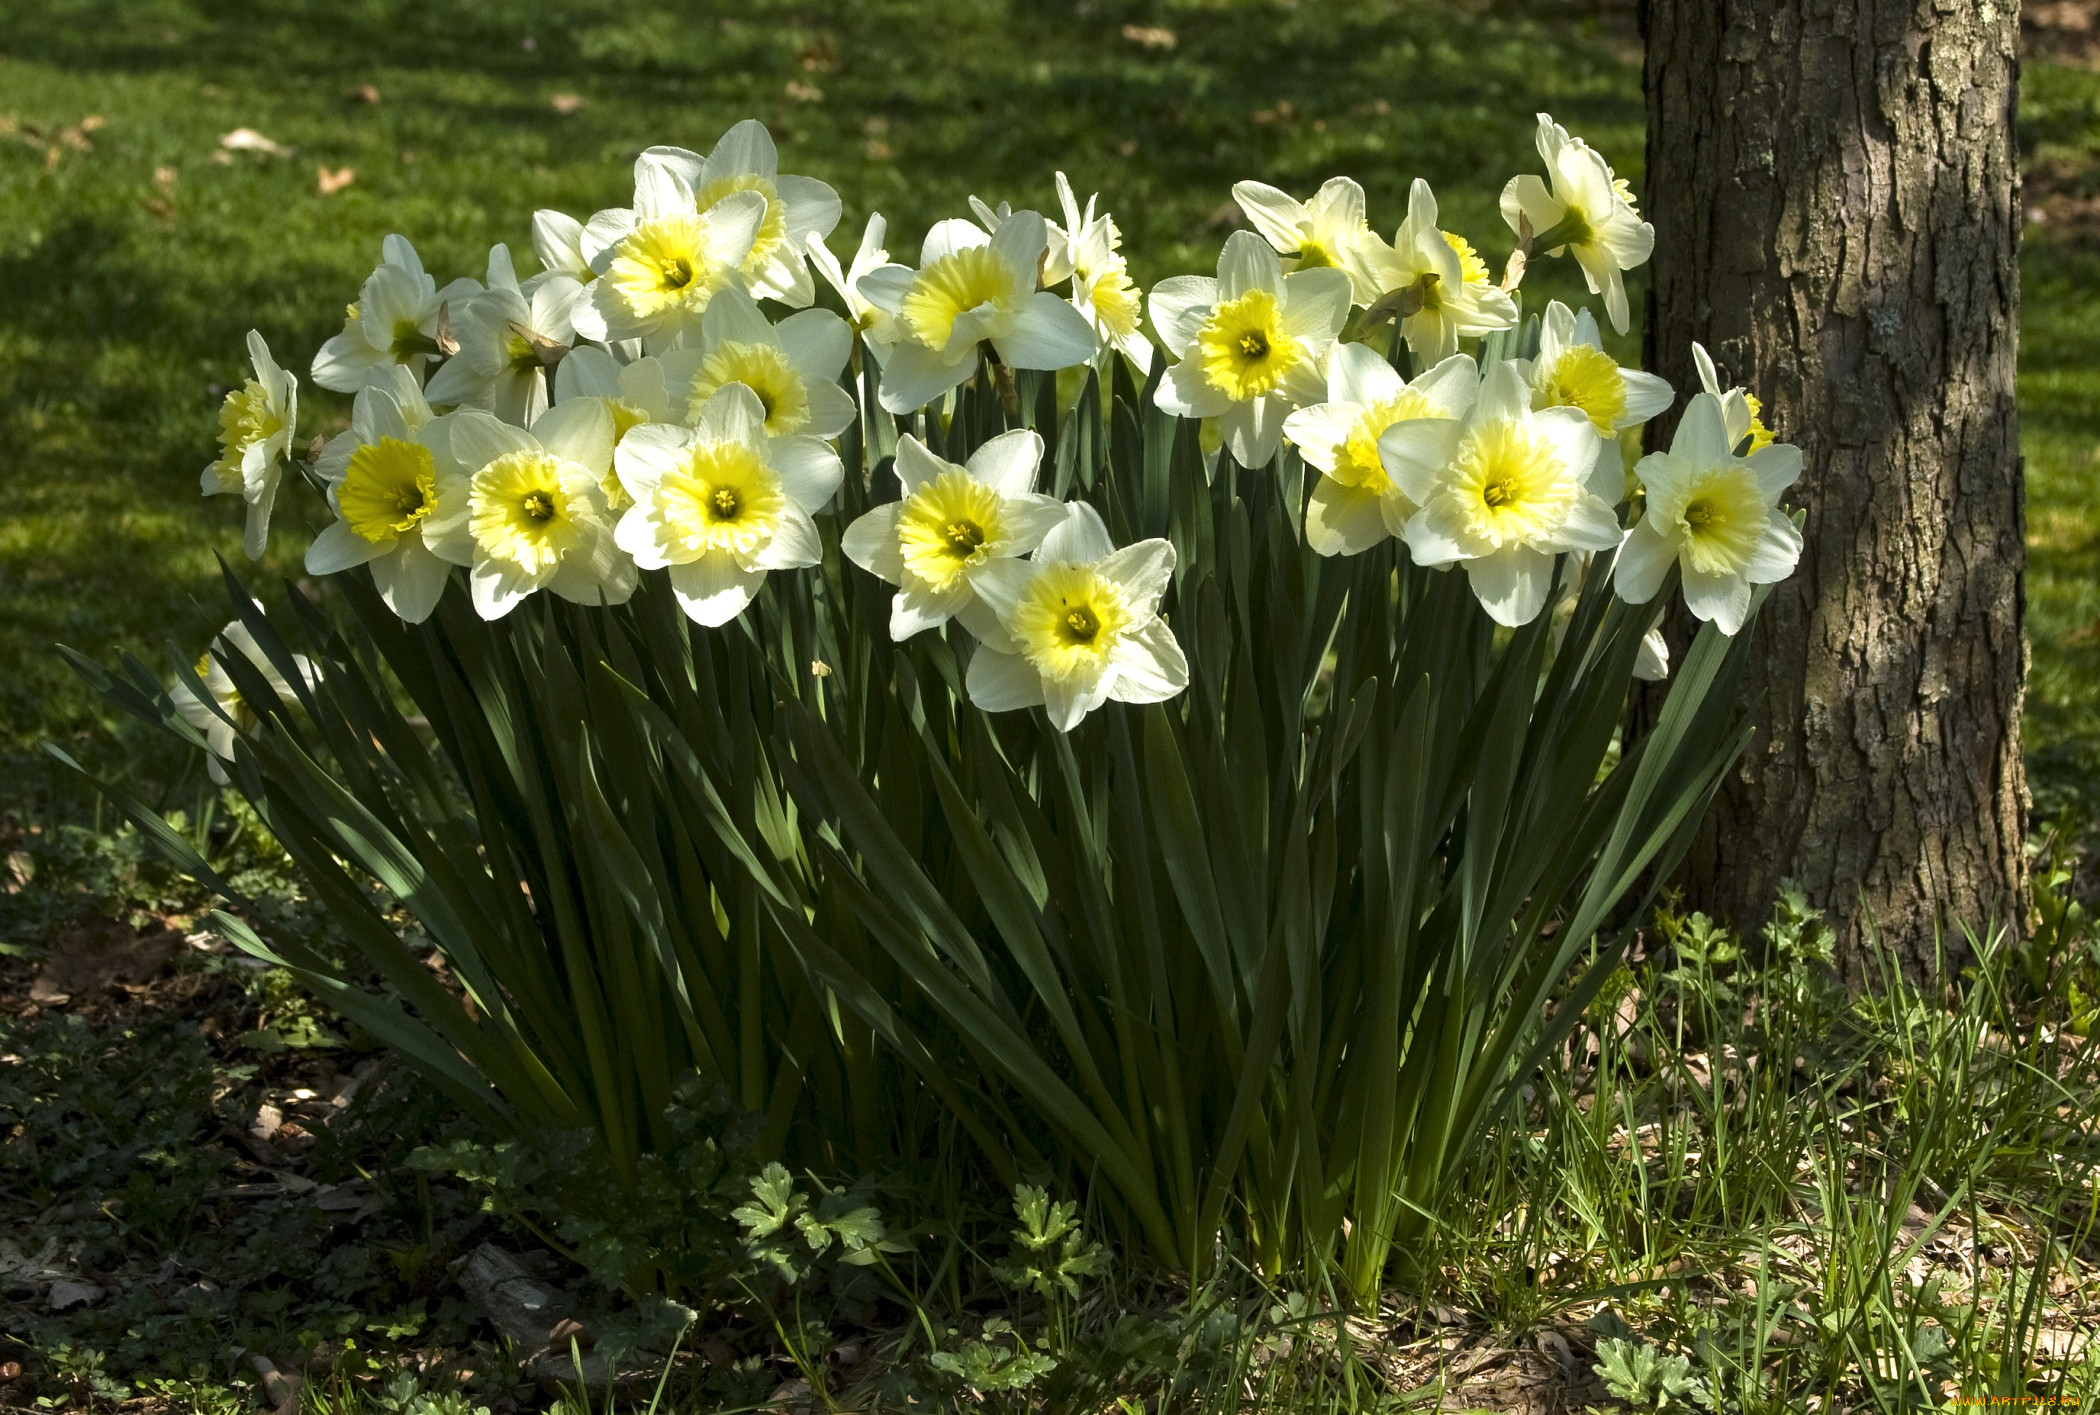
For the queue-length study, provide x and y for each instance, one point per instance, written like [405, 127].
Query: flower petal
[714, 589]
[1047, 334]
[809, 470]
[1080, 538]
[1511, 584]
[339, 548]
[1150, 666]
[1180, 305]
[1003, 682]
[1343, 520]
[1723, 599]
[1008, 463]
[1644, 559]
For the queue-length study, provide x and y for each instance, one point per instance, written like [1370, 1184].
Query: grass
[1738, 1218]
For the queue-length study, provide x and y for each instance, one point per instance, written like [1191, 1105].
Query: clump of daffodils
[669, 392]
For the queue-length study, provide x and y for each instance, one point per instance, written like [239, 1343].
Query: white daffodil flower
[953, 522]
[1320, 232]
[792, 366]
[1448, 282]
[507, 340]
[660, 261]
[721, 503]
[1084, 618]
[1573, 371]
[873, 323]
[1508, 492]
[386, 483]
[972, 288]
[393, 322]
[636, 393]
[1357, 503]
[255, 433]
[674, 189]
[1085, 251]
[1739, 405]
[1249, 343]
[227, 715]
[1713, 514]
[557, 239]
[1586, 212]
[534, 515]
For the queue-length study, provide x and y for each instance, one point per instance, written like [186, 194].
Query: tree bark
[1834, 189]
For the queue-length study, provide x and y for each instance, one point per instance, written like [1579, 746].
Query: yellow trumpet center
[954, 285]
[1244, 351]
[666, 265]
[521, 508]
[722, 497]
[1512, 485]
[387, 488]
[772, 227]
[766, 371]
[1115, 301]
[1722, 519]
[1356, 460]
[1471, 266]
[1071, 620]
[245, 419]
[1583, 377]
[947, 527]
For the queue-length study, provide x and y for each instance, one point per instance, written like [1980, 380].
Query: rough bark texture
[1833, 185]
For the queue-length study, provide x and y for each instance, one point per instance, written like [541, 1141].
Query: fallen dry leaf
[804, 93]
[329, 183]
[363, 93]
[67, 1293]
[1149, 36]
[566, 103]
[99, 955]
[249, 140]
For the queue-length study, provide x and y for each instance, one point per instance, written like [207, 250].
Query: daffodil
[1573, 371]
[972, 288]
[952, 523]
[255, 432]
[1357, 503]
[1740, 406]
[792, 366]
[393, 322]
[221, 713]
[1582, 209]
[386, 482]
[1444, 284]
[534, 514]
[721, 503]
[698, 222]
[635, 393]
[1317, 233]
[660, 261]
[1515, 489]
[1083, 618]
[1249, 343]
[876, 325]
[1085, 251]
[507, 341]
[557, 239]
[1714, 515]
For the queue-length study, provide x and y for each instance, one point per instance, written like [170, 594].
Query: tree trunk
[1834, 190]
